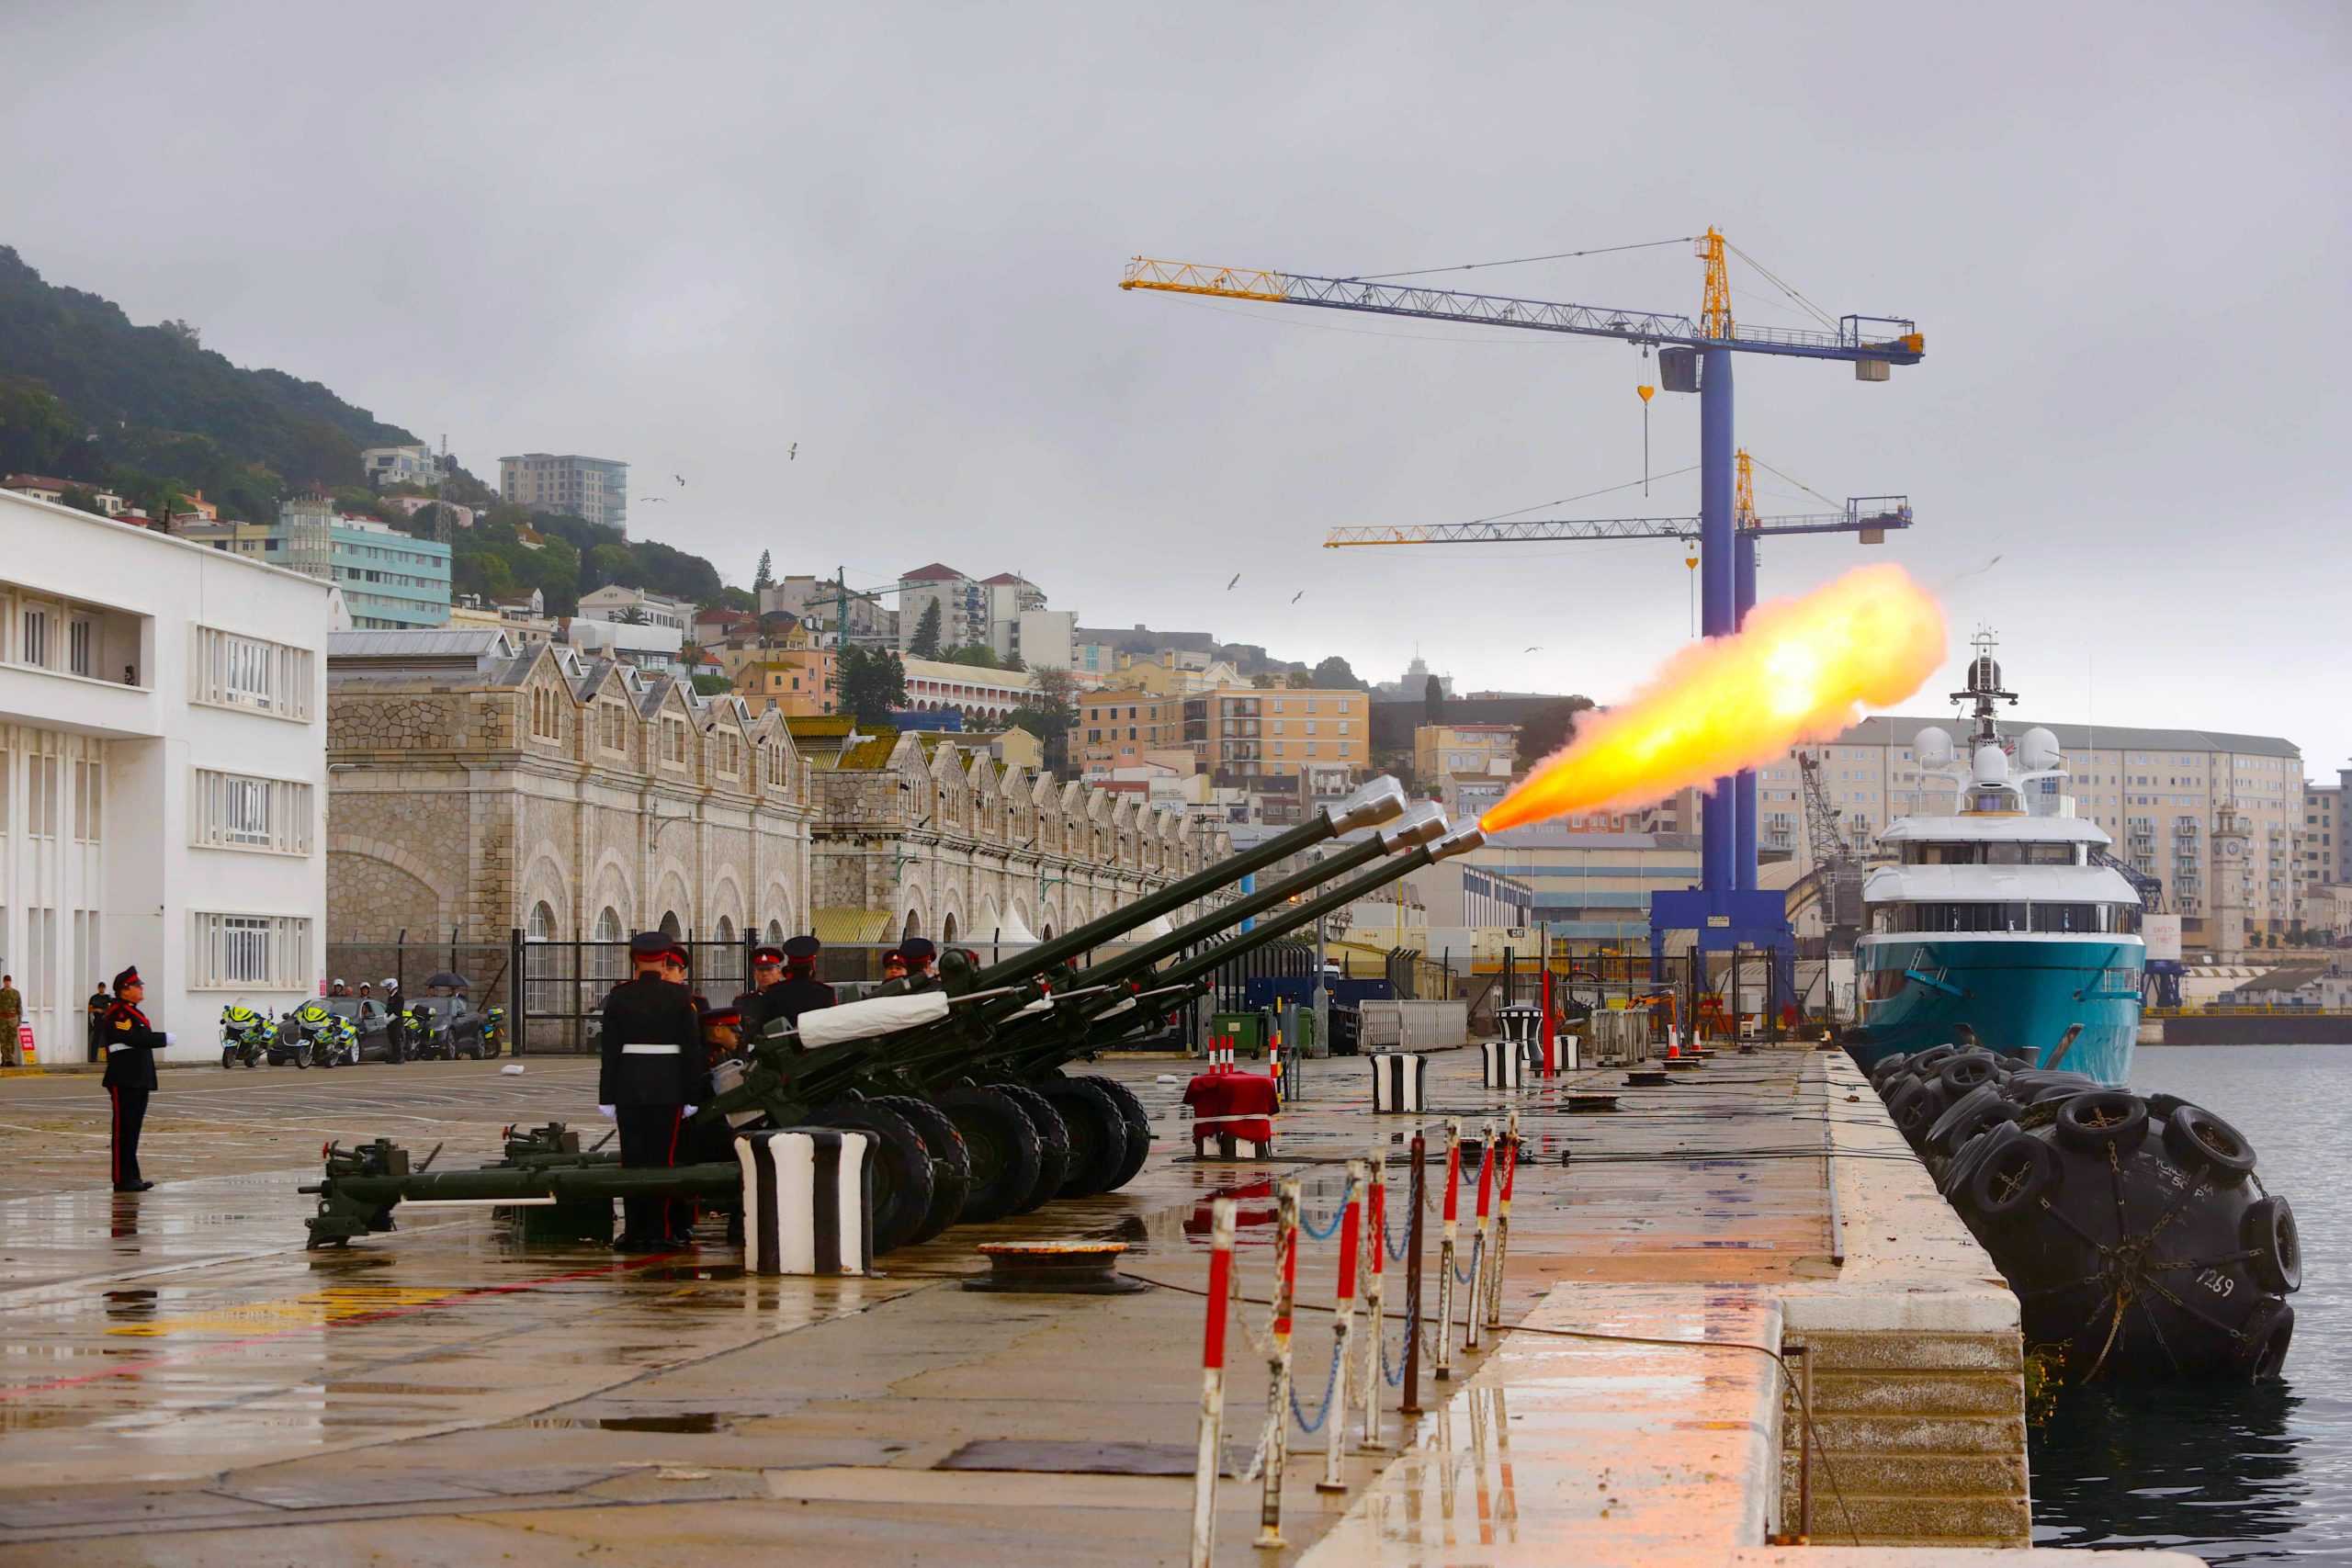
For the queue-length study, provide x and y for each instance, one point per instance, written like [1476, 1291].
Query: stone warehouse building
[478, 789]
[919, 835]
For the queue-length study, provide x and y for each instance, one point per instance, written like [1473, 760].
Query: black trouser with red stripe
[129, 1115]
[649, 1140]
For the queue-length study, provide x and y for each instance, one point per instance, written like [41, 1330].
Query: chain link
[1330, 1386]
[1477, 1250]
[1327, 1232]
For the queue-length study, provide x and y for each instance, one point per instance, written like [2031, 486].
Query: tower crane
[1695, 354]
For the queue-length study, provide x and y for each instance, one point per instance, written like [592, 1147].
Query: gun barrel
[1374, 803]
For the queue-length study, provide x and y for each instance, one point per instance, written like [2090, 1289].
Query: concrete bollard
[807, 1201]
[1399, 1083]
[1506, 1062]
[1275, 1440]
[1343, 1332]
[1481, 1252]
[1447, 1238]
[1212, 1442]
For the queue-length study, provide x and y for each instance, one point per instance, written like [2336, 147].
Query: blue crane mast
[1726, 911]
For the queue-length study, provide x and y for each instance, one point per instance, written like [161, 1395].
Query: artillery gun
[959, 1083]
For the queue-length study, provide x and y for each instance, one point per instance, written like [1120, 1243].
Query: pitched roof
[934, 572]
[1894, 730]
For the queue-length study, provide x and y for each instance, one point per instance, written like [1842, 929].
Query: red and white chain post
[1343, 1333]
[1211, 1455]
[1375, 1295]
[1481, 1258]
[1276, 1439]
[1447, 1239]
[1501, 1247]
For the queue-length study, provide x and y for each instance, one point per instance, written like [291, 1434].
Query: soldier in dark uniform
[131, 1043]
[801, 990]
[100, 1000]
[767, 973]
[919, 952]
[894, 966]
[654, 1072]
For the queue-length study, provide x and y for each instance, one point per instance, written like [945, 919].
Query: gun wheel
[1098, 1134]
[951, 1162]
[1053, 1145]
[1139, 1128]
[902, 1185]
[1004, 1149]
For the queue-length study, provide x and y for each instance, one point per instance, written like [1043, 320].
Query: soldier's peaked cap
[767, 955]
[919, 949]
[803, 948]
[127, 977]
[656, 944]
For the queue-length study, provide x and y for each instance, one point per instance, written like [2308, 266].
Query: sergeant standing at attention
[767, 974]
[131, 1043]
[801, 991]
[653, 1075]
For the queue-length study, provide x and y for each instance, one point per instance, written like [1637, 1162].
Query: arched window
[725, 932]
[776, 933]
[669, 926]
[540, 926]
[540, 961]
[947, 929]
[913, 927]
[605, 961]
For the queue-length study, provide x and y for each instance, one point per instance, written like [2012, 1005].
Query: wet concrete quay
[184, 1383]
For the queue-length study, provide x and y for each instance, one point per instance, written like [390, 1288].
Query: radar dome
[1934, 747]
[2037, 750]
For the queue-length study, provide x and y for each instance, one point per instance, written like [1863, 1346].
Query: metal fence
[490, 970]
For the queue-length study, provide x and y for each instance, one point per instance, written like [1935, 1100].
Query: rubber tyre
[2262, 1347]
[902, 1168]
[2009, 1184]
[2196, 1138]
[1914, 1109]
[1098, 1134]
[1954, 1181]
[2267, 1231]
[1003, 1147]
[228, 1057]
[1971, 1114]
[1053, 1145]
[2106, 1118]
[1966, 1073]
[951, 1163]
[1139, 1129]
[302, 1060]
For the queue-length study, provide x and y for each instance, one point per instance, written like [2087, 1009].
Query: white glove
[607, 1112]
[692, 1108]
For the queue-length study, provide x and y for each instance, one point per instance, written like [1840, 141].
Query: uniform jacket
[650, 1010]
[787, 999]
[12, 1002]
[131, 1044]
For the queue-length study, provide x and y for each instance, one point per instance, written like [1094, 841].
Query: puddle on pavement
[692, 1271]
[703, 1421]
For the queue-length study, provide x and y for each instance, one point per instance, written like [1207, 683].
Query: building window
[32, 645]
[247, 672]
[614, 724]
[41, 796]
[547, 715]
[267, 951]
[238, 811]
[89, 800]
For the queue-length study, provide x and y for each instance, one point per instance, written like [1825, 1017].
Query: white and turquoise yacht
[1998, 922]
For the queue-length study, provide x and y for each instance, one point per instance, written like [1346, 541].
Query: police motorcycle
[493, 1031]
[244, 1036]
[310, 1036]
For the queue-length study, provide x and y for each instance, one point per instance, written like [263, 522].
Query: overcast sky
[689, 236]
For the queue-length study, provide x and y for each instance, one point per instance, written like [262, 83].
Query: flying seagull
[1228, 587]
[1536, 649]
[793, 453]
[680, 478]
[1297, 597]
[656, 500]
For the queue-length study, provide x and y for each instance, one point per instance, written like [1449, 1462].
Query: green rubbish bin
[1243, 1033]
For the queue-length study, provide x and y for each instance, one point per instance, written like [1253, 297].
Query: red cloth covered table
[1243, 1095]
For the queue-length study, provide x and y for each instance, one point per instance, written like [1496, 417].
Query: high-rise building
[595, 488]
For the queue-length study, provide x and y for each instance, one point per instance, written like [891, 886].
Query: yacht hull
[2018, 994]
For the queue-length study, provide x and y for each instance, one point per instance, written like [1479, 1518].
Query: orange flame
[1801, 670]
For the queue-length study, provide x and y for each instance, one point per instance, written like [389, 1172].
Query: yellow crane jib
[1193, 277]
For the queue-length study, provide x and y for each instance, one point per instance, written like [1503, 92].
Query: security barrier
[807, 1201]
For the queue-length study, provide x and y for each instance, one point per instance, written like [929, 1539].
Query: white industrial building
[163, 771]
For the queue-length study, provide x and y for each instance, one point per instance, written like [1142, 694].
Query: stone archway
[913, 927]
